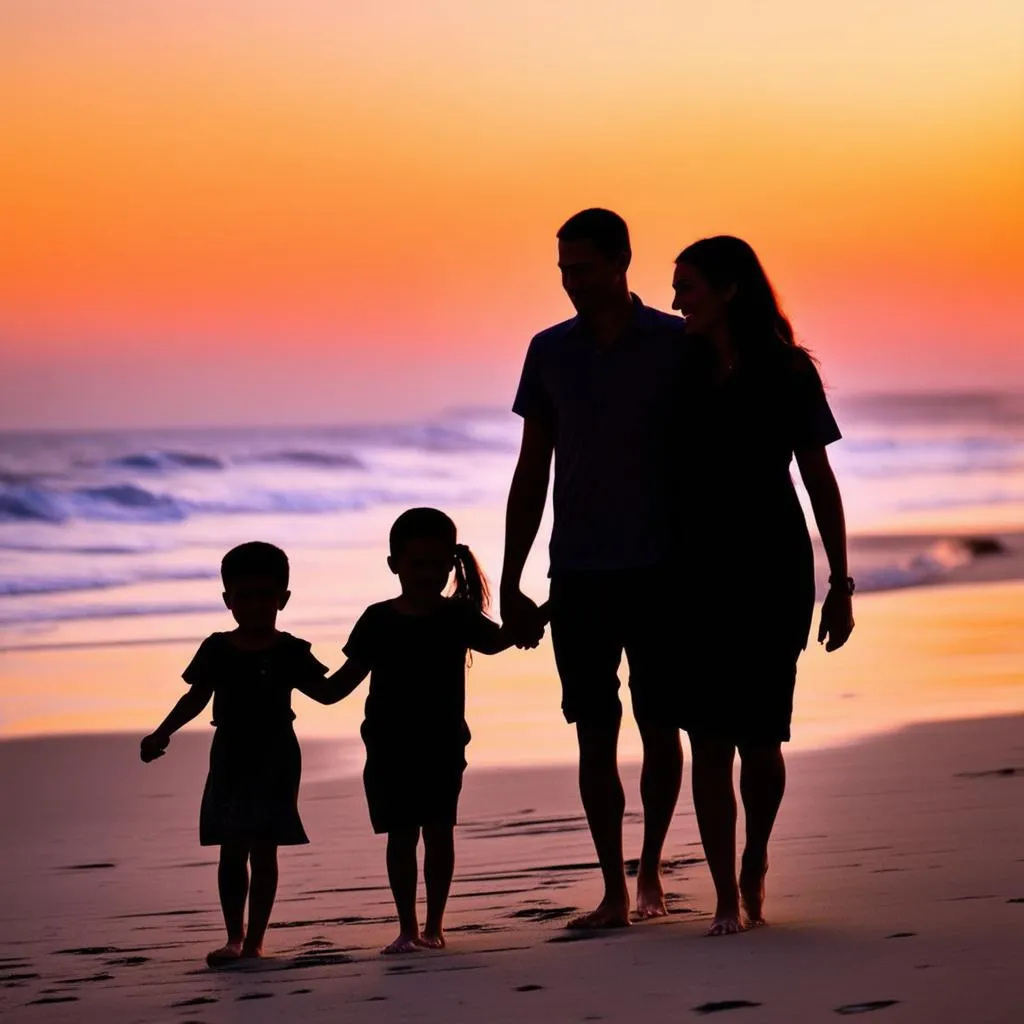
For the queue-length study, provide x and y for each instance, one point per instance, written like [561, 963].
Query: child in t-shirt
[414, 648]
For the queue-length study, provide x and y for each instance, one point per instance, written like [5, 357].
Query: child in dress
[250, 803]
[414, 648]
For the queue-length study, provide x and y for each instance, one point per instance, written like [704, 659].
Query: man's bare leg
[605, 805]
[660, 779]
[714, 801]
[762, 785]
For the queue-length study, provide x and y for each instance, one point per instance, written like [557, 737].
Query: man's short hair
[606, 230]
[256, 558]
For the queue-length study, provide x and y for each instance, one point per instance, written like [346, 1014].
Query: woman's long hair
[757, 325]
[432, 524]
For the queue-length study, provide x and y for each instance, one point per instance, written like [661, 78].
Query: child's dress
[252, 789]
[415, 727]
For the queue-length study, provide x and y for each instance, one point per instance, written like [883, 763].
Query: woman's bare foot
[227, 954]
[650, 897]
[403, 944]
[725, 924]
[609, 914]
[431, 939]
[752, 889]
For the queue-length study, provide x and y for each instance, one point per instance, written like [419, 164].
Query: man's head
[593, 256]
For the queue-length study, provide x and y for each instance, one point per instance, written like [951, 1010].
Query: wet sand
[897, 888]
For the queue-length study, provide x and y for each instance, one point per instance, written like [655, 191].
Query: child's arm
[335, 687]
[188, 707]
[493, 639]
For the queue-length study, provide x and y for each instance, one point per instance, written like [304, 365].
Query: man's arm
[523, 514]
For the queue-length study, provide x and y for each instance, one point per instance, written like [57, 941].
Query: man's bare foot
[607, 915]
[403, 944]
[752, 889]
[227, 954]
[431, 939]
[725, 924]
[650, 897]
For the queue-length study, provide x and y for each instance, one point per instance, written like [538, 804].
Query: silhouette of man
[597, 393]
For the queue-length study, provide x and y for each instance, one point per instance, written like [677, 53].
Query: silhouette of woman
[752, 400]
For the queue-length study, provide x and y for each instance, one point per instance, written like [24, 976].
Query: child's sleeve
[200, 671]
[363, 641]
[307, 665]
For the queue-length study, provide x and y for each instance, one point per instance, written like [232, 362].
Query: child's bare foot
[432, 939]
[252, 953]
[403, 944]
[227, 954]
[752, 888]
[609, 914]
[650, 897]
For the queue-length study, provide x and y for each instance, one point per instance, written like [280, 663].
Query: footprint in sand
[725, 1004]
[878, 1004]
[198, 1001]
[46, 1000]
[902, 935]
[255, 995]
[529, 988]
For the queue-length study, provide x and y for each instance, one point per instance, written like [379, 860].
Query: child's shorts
[403, 796]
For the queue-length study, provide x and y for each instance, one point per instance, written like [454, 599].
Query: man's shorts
[596, 616]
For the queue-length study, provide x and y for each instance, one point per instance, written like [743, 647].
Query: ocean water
[117, 535]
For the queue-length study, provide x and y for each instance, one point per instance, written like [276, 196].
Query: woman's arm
[335, 687]
[189, 706]
[827, 505]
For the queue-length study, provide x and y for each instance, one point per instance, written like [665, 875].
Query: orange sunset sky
[238, 211]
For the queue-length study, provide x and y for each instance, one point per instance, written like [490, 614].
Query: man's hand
[836, 620]
[522, 618]
[153, 746]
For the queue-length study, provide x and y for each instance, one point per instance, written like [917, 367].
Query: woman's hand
[836, 619]
[153, 746]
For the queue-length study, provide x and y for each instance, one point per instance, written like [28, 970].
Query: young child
[414, 648]
[250, 803]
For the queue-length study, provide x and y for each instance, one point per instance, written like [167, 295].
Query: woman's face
[703, 307]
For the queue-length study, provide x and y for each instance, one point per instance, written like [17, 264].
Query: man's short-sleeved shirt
[610, 411]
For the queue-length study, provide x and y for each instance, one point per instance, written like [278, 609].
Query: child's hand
[153, 746]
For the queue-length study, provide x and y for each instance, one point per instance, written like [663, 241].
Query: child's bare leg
[262, 890]
[233, 886]
[402, 876]
[438, 868]
[762, 785]
[714, 802]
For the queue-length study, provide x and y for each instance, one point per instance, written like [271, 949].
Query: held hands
[836, 619]
[153, 746]
[522, 618]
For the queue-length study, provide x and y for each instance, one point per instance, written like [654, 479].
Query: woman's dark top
[418, 672]
[743, 536]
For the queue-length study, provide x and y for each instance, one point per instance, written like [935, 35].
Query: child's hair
[433, 524]
[256, 558]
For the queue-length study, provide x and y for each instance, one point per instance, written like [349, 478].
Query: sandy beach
[897, 887]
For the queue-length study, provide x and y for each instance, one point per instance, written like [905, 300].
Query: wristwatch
[845, 583]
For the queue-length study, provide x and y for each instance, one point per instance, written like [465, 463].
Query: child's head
[255, 577]
[424, 551]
